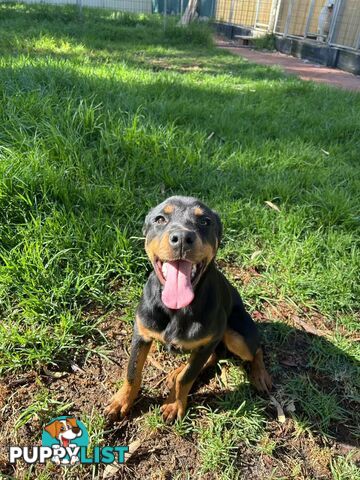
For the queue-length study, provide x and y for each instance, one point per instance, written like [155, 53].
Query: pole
[288, 18]
[165, 14]
[79, 5]
[309, 18]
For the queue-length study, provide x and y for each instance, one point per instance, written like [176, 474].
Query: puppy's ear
[218, 227]
[53, 428]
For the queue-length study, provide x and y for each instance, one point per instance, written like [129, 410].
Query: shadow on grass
[309, 372]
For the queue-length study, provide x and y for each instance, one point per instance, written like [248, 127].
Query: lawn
[102, 117]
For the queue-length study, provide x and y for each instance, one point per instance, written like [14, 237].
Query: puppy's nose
[182, 238]
[76, 429]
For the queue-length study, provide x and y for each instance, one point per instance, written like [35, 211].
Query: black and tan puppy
[188, 304]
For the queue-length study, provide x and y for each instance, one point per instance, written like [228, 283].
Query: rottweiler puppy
[187, 304]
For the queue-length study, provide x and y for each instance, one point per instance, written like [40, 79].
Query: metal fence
[248, 13]
[170, 7]
[133, 6]
[334, 22]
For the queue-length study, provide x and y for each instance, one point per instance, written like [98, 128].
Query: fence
[335, 22]
[133, 6]
[171, 7]
[248, 13]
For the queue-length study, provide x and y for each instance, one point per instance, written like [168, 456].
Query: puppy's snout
[182, 239]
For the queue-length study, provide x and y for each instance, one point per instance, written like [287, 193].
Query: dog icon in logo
[65, 430]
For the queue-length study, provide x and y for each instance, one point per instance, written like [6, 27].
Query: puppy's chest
[177, 333]
[185, 337]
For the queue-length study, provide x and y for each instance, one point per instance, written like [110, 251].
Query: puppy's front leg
[175, 405]
[122, 401]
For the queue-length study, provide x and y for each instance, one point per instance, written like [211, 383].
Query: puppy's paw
[261, 380]
[172, 411]
[119, 405]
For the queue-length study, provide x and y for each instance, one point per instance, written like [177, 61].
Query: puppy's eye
[205, 221]
[160, 219]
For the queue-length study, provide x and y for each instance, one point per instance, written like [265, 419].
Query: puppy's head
[182, 238]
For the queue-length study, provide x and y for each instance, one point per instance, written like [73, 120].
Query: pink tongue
[178, 291]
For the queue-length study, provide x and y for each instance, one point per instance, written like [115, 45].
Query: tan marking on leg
[171, 377]
[237, 345]
[259, 376]
[210, 362]
[174, 406]
[122, 401]
[146, 333]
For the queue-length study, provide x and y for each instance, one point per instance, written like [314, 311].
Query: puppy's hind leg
[238, 345]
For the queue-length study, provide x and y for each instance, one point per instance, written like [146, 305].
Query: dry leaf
[224, 377]
[280, 412]
[272, 205]
[289, 362]
[76, 368]
[51, 374]
[111, 470]
[132, 449]
[307, 327]
[255, 254]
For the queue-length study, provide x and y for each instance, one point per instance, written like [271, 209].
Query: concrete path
[295, 66]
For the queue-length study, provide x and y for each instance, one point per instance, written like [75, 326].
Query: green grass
[92, 136]
[104, 116]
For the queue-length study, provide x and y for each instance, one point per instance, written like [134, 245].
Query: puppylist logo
[65, 441]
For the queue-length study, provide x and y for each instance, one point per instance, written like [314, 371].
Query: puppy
[187, 304]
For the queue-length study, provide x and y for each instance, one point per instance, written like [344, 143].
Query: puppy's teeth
[193, 271]
[164, 269]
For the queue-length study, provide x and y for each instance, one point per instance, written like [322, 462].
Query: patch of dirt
[159, 65]
[163, 453]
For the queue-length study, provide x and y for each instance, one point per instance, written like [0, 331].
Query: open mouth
[162, 267]
[178, 278]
